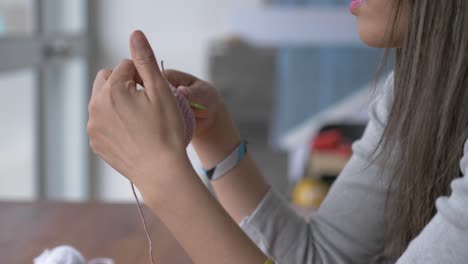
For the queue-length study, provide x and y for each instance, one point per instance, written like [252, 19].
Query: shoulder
[382, 102]
[379, 110]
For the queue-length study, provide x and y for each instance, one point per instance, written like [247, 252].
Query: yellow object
[309, 192]
[269, 261]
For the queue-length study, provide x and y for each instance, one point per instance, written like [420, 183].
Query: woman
[383, 208]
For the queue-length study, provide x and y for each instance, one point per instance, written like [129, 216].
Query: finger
[131, 86]
[123, 78]
[186, 92]
[101, 78]
[104, 74]
[147, 67]
[123, 72]
[196, 94]
[178, 78]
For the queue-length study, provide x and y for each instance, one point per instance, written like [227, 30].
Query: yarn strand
[189, 118]
[142, 216]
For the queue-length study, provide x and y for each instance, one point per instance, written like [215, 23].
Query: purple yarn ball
[187, 113]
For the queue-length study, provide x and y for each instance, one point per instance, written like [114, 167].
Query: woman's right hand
[215, 135]
[242, 188]
[199, 92]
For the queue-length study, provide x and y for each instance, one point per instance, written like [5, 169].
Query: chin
[374, 36]
[372, 40]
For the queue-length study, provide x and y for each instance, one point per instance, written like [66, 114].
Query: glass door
[44, 82]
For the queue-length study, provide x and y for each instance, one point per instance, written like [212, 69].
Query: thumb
[146, 63]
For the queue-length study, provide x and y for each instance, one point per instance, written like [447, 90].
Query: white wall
[180, 32]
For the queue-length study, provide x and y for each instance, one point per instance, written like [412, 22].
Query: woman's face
[373, 17]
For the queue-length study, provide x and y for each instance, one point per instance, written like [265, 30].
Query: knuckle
[93, 146]
[104, 73]
[92, 107]
[90, 128]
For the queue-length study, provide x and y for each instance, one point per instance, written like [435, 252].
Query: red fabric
[332, 141]
[327, 140]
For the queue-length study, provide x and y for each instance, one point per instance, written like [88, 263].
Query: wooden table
[95, 229]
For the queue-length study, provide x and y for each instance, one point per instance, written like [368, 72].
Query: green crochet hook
[197, 106]
[192, 104]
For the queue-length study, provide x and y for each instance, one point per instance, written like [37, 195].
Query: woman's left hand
[141, 134]
[137, 132]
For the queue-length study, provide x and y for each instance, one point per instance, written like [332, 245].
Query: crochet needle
[192, 104]
[197, 106]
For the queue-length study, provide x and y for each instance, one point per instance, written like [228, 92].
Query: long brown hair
[428, 122]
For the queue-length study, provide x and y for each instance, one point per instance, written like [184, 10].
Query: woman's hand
[214, 111]
[139, 133]
[202, 93]
[216, 135]
[240, 190]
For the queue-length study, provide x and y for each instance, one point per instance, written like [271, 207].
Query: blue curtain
[312, 78]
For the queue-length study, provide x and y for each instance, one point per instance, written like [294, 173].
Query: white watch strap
[228, 163]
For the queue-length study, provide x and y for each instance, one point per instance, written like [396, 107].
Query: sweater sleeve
[445, 238]
[348, 226]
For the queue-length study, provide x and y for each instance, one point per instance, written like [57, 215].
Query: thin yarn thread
[189, 119]
[142, 216]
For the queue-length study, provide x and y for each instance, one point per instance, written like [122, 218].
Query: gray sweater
[348, 227]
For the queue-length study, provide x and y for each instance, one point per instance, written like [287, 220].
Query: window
[45, 87]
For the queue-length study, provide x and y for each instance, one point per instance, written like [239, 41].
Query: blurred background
[293, 72]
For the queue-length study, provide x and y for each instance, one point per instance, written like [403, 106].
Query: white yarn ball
[60, 255]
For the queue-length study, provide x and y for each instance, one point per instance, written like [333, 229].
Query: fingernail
[139, 40]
